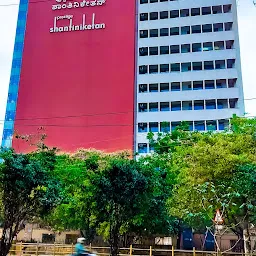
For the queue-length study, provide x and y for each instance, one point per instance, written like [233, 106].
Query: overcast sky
[247, 25]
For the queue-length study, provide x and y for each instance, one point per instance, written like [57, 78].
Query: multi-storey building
[102, 73]
[188, 66]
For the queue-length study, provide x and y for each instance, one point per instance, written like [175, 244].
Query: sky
[247, 30]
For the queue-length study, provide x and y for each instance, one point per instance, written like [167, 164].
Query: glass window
[165, 127]
[143, 107]
[153, 69]
[228, 26]
[142, 148]
[186, 86]
[175, 86]
[210, 104]
[164, 15]
[208, 65]
[195, 11]
[164, 50]
[164, 87]
[174, 31]
[153, 16]
[143, 88]
[153, 33]
[227, 8]
[143, 1]
[185, 30]
[187, 105]
[223, 124]
[143, 33]
[196, 29]
[206, 10]
[218, 27]
[164, 32]
[211, 125]
[219, 45]
[232, 83]
[185, 48]
[175, 49]
[153, 107]
[176, 106]
[207, 28]
[143, 69]
[197, 47]
[231, 63]
[153, 87]
[153, 50]
[198, 105]
[221, 83]
[230, 44]
[143, 51]
[142, 127]
[233, 103]
[175, 67]
[198, 85]
[184, 12]
[199, 125]
[174, 14]
[153, 1]
[143, 16]
[185, 67]
[164, 68]
[153, 127]
[197, 66]
[175, 125]
[207, 46]
[221, 104]
[217, 9]
[220, 64]
[209, 84]
[164, 106]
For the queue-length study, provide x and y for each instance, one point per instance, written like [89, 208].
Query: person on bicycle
[80, 249]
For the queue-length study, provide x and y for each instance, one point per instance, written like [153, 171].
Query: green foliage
[28, 190]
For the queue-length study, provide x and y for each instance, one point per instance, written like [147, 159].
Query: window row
[208, 10]
[187, 66]
[186, 30]
[188, 105]
[188, 85]
[193, 126]
[186, 48]
[154, 1]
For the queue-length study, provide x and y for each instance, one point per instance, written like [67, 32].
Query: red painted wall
[79, 85]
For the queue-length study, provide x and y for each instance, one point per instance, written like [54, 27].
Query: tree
[28, 190]
[217, 171]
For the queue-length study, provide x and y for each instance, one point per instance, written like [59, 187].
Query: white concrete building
[188, 66]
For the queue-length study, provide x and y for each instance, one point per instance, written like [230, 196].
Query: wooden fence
[30, 249]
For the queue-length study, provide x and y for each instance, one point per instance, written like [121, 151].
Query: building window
[232, 83]
[153, 69]
[218, 27]
[209, 84]
[164, 50]
[230, 44]
[174, 14]
[217, 9]
[197, 66]
[164, 15]
[143, 107]
[231, 63]
[143, 51]
[233, 103]
[153, 50]
[223, 124]
[208, 65]
[221, 83]
[185, 30]
[227, 8]
[184, 12]
[175, 125]
[198, 85]
[195, 11]
[143, 1]
[220, 64]
[143, 69]
[219, 45]
[197, 47]
[174, 31]
[153, 16]
[143, 127]
[153, 33]
[165, 127]
[175, 86]
[210, 104]
[143, 33]
[164, 68]
[153, 87]
[211, 125]
[221, 104]
[143, 16]
[153, 107]
[176, 106]
[207, 46]
[175, 67]
[186, 86]
[199, 125]
[185, 48]
[185, 67]
[164, 32]
[198, 105]
[207, 28]
[164, 87]
[164, 106]
[187, 105]
[196, 29]
[143, 88]
[206, 10]
[142, 148]
[175, 49]
[153, 127]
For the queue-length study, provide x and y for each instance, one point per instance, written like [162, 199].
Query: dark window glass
[153, 50]
[164, 32]
[196, 29]
[153, 87]
[174, 14]
[153, 127]
[143, 69]
[164, 87]
[143, 16]
[143, 1]
[208, 65]
[207, 28]
[164, 68]
[143, 33]
[142, 148]
[175, 31]
[142, 127]
[164, 15]
[175, 49]
[195, 11]
[153, 16]
[153, 69]
[206, 10]
[153, 33]
[175, 67]
[185, 30]
[184, 13]
[164, 106]
[164, 50]
[143, 51]
[143, 88]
